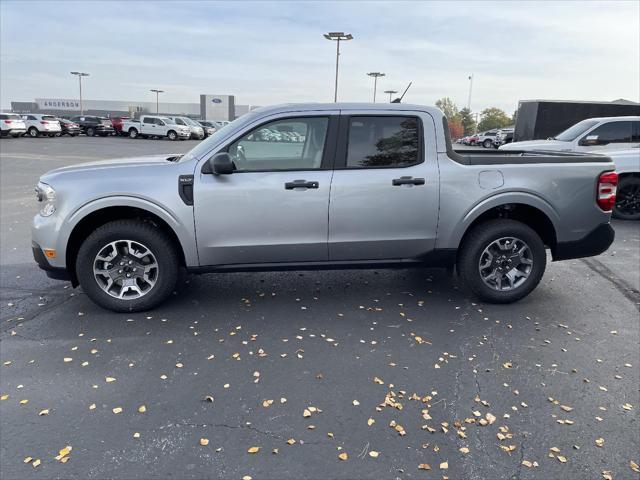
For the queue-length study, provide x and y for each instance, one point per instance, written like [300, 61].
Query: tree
[449, 109]
[467, 121]
[493, 117]
[456, 129]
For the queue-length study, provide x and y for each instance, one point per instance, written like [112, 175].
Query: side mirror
[590, 140]
[221, 164]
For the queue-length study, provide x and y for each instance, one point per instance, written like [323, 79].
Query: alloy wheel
[506, 263]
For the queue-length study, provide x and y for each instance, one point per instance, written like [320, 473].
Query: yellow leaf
[374, 454]
[306, 413]
[291, 441]
[600, 442]
[371, 421]
[68, 359]
[464, 450]
[44, 412]
[527, 463]
[356, 403]
[136, 435]
[507, 365]
[253, 450]
[562, 459]
[36, 463]
[4, 397]
[444, 465]
[247, 477]
[92, 406]
[634, 466]
[27, 459]
[142, 409]
[117, 410]
[343, 456]
[204, 442]
[424, 466]
[109, 379]
[24, 402]
[179, 365]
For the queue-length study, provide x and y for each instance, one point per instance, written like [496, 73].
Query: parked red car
[117, 123]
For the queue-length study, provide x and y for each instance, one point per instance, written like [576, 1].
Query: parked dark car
[117, 123]
[68, 127]
[92, 125]
[208, 127]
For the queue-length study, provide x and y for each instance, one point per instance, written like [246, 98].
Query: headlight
[46, 194]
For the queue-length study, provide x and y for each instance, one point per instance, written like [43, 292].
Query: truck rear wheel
[127, 266]
[502, 261]
[172, 135]
[133, 133]
[627, 205]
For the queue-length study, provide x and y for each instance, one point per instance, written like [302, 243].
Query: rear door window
[635, 135]
[383, 141]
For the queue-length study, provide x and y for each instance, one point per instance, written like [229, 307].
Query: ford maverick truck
[362, 186]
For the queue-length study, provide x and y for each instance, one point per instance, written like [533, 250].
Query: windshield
[167, 120]
[205, 146]
[574, 132]
[188, 121]
[48, 117]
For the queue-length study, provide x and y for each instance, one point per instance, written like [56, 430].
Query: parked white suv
[486, 139]
[12, 124]
[40, 124]
[591, 135]
[155, 126]
[196, 129]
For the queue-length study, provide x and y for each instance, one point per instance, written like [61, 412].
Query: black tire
[90, 132]
[627, 205]
[172, 135]
[33, 132]
[487, 143]
[479, 238]
[133, 133]
[15, 135]
[155, 239]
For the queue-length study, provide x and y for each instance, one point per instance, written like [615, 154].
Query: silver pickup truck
[341, 186]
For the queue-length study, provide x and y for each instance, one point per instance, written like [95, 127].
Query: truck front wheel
[127, 266]
[502, 261]
[172, 135]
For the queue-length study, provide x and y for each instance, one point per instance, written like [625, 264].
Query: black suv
[68, 127]
[91, 125]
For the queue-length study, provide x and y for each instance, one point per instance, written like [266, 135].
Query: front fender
[183, 228]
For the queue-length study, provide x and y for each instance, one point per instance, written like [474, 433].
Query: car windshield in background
[49, 117]
[168, 121]
[574, 132]
[193, 123]
[205, 146]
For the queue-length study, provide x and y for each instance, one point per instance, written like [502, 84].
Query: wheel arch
[88, 219]
[526, 208]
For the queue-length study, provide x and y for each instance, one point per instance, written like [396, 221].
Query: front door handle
[407, 181]
[300, 184]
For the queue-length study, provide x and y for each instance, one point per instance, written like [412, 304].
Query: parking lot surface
[279, 375]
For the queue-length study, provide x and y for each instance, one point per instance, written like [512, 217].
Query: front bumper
[593, 243]
[57, 273]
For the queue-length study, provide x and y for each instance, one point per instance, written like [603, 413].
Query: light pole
[375, 76]
[470, 88]
[80, 75]
[157, 92]
[337, 36]
[390, 92]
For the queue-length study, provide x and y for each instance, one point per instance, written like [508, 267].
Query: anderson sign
[58, 103]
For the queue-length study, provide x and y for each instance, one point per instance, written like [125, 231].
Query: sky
[267, 53]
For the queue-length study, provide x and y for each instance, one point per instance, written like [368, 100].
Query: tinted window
[635, 136]
[288, 144]
[149, 120]
[613, 132]
[575, 131]
[179, 121]
[383, 142]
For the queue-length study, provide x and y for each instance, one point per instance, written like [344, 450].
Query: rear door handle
[300, 184]
[407, 181]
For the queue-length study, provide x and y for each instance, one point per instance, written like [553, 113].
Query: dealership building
[210, 107]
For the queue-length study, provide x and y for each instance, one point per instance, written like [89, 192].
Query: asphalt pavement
[348, 374]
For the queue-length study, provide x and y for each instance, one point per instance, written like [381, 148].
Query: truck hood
[537, 145]
[117, 163]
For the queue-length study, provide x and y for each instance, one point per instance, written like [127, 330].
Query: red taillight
[606, 195]
[8, 122]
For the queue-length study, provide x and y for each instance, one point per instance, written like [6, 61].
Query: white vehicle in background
[486, 139]
[591, 135]
[155, 126]
[627, 164]
[39, 124]
[197, 131]
[12, 124]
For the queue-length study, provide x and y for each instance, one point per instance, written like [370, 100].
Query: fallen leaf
[253, 450]
[291, 441]
[136, 435]
[343, 456]
[36, 463]
[444, 465]
[464, 450]
[424, 466]
[142, 409]
[109, 379]
[356, 403]
[600, 442]
[68, 359]
[371, 421]
[374, 454]
[204, 442]
[117, 410]
[561, 459]
[44, 412]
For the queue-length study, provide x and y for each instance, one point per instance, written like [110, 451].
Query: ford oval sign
[216, 100]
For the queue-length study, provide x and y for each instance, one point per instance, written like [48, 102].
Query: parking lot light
[375, 76]
[157, 92]
[390, 92]
[337, 37]
[80, 75]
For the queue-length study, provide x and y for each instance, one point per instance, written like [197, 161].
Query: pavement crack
[621, 285]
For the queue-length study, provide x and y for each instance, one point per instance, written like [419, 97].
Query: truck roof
[290, 107]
